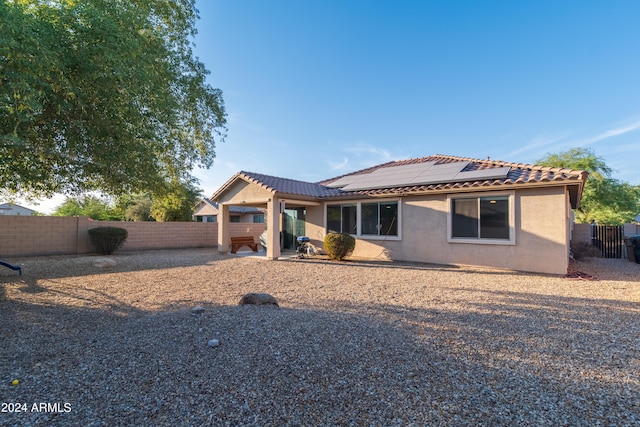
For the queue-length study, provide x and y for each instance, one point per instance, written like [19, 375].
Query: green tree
[102, 95]
[177, 202]
[609, 201]
[578, 159]
[89, 206]
[139, 211]
[604, 199]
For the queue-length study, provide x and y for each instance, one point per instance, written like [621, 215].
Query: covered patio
[277, 196]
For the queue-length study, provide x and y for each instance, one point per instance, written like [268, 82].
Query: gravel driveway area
[353, 343]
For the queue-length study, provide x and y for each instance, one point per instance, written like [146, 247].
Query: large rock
[104, 262]
[197, 310]
[258, 299]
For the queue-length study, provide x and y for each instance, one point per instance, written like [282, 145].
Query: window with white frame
[364, 219]
[482, 219]
[342, 218]
[379, 219]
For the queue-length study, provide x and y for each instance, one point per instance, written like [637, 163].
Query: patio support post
[223, 229]
[273, 228]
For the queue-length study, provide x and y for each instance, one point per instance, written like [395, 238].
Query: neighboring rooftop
[13, 209]
[234, 209]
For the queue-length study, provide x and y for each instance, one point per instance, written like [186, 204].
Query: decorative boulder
[197, 310]
[104, 262]
[258, 299]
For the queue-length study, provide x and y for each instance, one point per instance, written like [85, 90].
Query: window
[258, 218]
[380, 219]
[366, 220]
[234, 218]
[342, 219]
[486, 218]
[494, 218]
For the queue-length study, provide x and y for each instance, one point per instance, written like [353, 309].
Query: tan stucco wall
[541, 242]
[314, 227]
[241, 193]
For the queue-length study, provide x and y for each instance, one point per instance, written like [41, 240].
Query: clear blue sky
[315, 89]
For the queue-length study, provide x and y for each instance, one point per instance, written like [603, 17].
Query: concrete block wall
[38, 235]
[70, 235]
[159, 235]
[631, 230]
[582, 232]
[47, 235]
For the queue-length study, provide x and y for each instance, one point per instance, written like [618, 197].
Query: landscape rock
[197, 310]
[213, 343]
[104, 262]
[258, 299]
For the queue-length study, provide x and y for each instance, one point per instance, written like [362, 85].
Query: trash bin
[633, 248]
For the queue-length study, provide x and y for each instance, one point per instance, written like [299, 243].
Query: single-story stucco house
[436, 209]
[207, 211]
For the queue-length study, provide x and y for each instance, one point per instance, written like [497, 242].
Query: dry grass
[354, 343]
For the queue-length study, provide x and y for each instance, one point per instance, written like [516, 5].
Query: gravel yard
[354, 343]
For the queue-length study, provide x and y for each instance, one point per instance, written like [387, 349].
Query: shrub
[107, 239]
[339, 245]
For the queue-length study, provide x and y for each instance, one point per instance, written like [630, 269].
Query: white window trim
[479, 241]
[358, 204]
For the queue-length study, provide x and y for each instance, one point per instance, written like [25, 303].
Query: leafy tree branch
[103, 95]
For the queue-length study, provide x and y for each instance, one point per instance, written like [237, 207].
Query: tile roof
[518, 174]
[289, 186]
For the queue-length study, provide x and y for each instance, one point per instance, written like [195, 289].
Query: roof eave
[473, 188]
[238, 176]
[307, 197]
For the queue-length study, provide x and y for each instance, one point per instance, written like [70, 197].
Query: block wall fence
[581, 233]
[49, 235]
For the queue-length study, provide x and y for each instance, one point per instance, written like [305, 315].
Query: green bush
[107, 239]
[339, 245]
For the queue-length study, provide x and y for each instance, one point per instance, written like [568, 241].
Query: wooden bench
[238, 242]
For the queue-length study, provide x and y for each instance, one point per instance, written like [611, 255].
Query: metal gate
[609, 239]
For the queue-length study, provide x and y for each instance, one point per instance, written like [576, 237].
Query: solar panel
[342, 181]
[494, 173]
[416, 174]
[412, 174]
